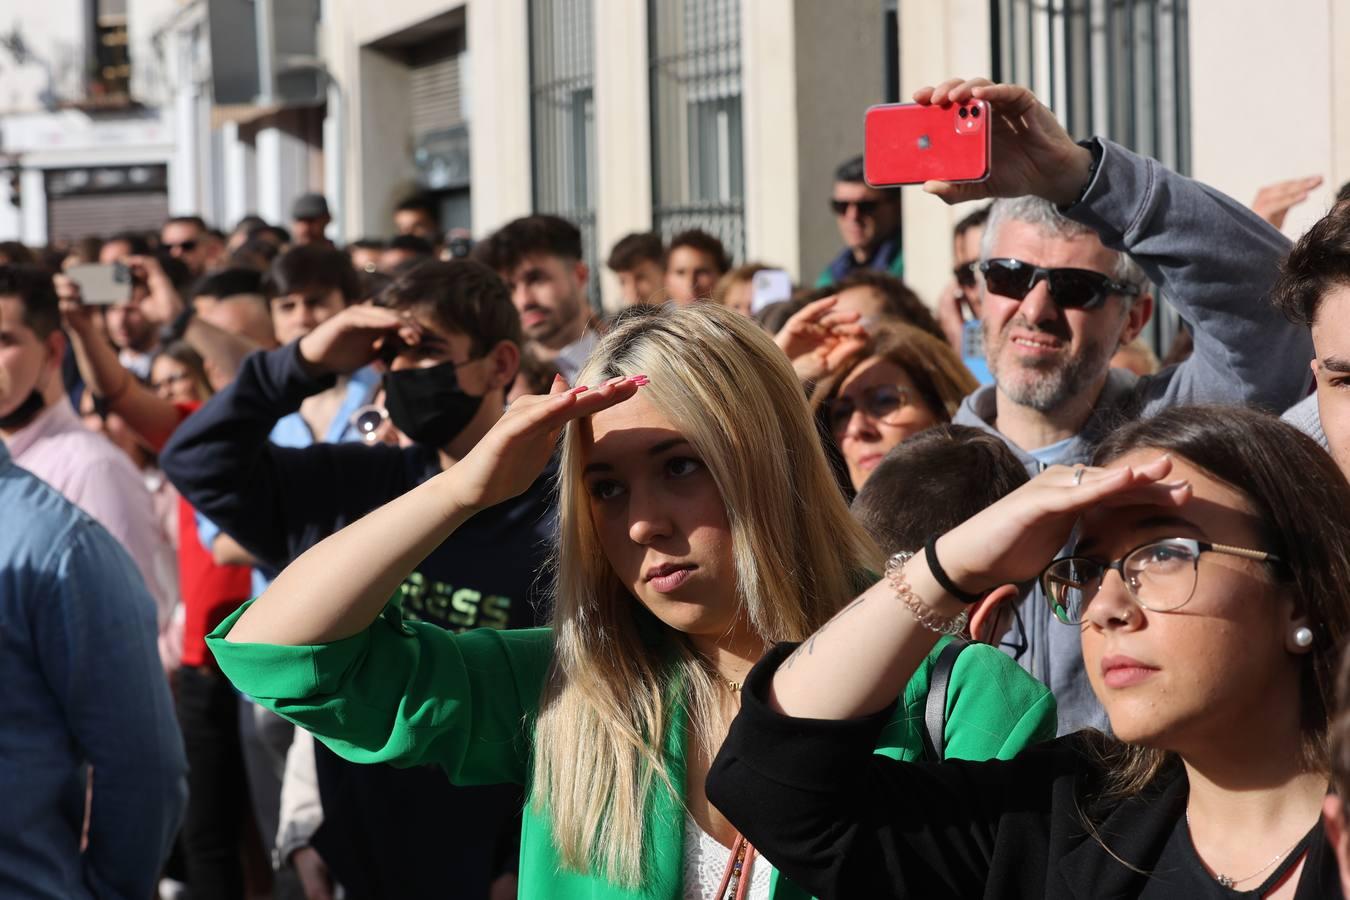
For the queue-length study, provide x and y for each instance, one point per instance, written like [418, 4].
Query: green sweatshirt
[411, 694]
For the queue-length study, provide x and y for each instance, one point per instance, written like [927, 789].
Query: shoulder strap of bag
[935, 712]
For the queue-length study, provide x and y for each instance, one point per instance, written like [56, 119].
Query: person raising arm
[1209, 615]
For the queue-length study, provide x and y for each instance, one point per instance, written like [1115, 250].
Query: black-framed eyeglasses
[1069, 288]
[884, 403]
[865, 207]
[1160, 576]
[965, 274]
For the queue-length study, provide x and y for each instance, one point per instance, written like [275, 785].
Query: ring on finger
[1078, 475]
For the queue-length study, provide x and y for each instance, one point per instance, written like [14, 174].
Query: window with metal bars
[562, 118]
[110, 66]
[695, 59]
[1113, 68]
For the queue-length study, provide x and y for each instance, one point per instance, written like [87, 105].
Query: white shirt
[705, 862]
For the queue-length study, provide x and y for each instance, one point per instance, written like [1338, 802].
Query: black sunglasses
[1069, 288]
[865, 207]
[185, 246]
[965, 274]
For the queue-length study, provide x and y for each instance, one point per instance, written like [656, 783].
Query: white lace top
[705, 861]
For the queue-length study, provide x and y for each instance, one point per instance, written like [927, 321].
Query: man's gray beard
[1050, 388]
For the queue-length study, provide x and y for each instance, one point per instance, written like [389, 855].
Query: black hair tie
[930, 554]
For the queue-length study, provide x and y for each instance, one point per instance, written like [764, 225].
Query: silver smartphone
[102, 284]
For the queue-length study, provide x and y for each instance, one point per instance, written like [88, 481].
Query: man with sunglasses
[958, 309]
[184, 238]
[1068, 253]
[869, 224]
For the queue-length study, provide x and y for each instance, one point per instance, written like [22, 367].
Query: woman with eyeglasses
[1210, 582]
[901, 381]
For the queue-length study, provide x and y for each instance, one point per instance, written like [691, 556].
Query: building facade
[622, 115]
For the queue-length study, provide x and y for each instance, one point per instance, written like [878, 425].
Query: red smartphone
[908, 143]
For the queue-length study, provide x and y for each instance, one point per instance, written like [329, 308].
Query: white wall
[769, 114]
[939, 39]
[1268, 102]
[623, 197]
[499, 104]
[53, 31]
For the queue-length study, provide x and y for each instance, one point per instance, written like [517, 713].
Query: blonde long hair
[799, 557]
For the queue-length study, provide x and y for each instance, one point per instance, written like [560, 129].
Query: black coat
[843, 822]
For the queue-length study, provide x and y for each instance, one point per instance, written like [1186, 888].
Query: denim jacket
[83, 689]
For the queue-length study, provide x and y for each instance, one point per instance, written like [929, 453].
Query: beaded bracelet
[895, 574]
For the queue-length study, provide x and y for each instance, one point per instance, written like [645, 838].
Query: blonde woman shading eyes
[698, 524]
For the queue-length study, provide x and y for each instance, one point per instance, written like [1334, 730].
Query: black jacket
[387, 832]
[843, 822]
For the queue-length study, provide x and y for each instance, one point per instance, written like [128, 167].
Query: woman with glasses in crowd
[698, 524]
[901, 381]
[1211, 584]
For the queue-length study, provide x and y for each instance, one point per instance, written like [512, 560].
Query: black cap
[309, 206]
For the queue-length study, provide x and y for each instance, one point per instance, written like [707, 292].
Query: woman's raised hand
[1011, 541]
[819, 338]
[515, 451]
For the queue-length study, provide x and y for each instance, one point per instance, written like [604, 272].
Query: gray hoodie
[1215, 261]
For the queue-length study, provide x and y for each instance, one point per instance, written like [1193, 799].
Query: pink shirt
[99, 478]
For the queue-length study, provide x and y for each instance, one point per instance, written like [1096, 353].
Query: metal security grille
[433, 73]
[1113, 68]
[103, 215]
[697, 182]
[562, 118]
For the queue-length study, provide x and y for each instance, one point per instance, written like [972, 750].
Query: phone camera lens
[962, 112]
[975, 111]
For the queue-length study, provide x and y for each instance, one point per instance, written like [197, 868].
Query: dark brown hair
[897, 300]
[704, 243]
[1299, 496]
[1339, 733]
[313, 265]
[503, 250]
[36, 293]
[462, 296]
[1319, 262]
[632, 250]
[934, 481]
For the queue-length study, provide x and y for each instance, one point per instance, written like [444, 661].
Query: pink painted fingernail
[578, 389]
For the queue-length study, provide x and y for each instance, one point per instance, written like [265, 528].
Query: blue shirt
[82, 686]
[886, 258]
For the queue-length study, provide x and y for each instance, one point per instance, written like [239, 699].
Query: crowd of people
[396, 570]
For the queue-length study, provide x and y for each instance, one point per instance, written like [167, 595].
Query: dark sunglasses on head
[965, 274]
[865, 207]
[1069, 288]
[185, 246]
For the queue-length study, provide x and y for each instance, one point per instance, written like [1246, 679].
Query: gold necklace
[735, 686]
[1227, 880]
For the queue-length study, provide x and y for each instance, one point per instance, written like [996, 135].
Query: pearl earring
[1303, 636]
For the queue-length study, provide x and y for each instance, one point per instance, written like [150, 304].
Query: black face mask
[428, 405]
[26, 412]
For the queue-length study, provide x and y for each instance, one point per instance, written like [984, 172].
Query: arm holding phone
[150, 416]
[1211, 257]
